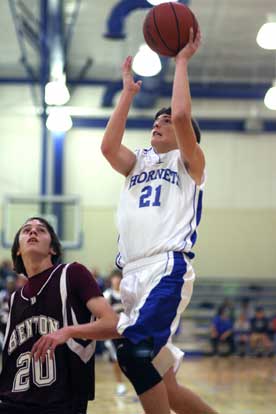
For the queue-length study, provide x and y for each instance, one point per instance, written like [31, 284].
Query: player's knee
[170, 381]
[135, 362]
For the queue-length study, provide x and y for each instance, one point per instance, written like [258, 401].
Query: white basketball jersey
[159, 209]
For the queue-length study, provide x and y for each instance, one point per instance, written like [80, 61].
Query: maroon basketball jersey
[70, 374]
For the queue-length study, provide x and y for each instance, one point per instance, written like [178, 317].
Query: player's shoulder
[76, 270]
[77, 266]
[80, 276]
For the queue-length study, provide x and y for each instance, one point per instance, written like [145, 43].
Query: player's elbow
[109, 152]
[106, 149]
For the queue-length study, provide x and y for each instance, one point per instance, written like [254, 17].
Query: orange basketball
[167, 26]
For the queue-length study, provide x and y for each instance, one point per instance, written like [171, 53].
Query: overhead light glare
[59, 120]
[270, 97]
[156, 2]
[266, 37]
[146, 62]
[56, 93]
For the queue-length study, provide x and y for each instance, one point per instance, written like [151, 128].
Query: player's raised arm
[121, 158]
[191, 152]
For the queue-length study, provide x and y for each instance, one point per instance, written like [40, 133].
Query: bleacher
[194, 331]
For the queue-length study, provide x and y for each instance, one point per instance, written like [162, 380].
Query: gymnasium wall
[237, 235]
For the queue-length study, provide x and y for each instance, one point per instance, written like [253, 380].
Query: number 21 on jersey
[150, 196]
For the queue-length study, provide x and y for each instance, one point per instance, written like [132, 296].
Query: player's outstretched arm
[191, 152]
[104, 327]
[120, 157]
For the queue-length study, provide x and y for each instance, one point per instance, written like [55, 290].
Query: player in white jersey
[156, 183]
[159, 210]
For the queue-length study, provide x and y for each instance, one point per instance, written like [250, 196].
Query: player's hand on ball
[191, 47]
[128, 81]
[48, 343]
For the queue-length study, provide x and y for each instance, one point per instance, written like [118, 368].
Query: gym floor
[231, 385]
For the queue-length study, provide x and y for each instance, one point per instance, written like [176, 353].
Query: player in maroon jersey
[57, 296]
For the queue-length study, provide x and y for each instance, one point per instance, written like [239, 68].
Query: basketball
[166, 28]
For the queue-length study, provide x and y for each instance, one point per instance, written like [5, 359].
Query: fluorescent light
[56, 93]
[270, 97]
[266, 37]
[59, 120]
[146, 62]
[155, 2]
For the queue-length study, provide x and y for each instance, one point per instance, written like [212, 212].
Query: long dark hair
[55, 244]
[168, 111]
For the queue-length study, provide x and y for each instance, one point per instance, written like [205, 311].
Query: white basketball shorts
[155, 291]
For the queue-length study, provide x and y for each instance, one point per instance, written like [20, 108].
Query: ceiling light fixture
[270, 97]
[156, 2]
[266, 37]
[56, 93]
[59, 120]
[146, 62]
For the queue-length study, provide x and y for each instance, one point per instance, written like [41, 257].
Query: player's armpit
[195, 166]
[191, 153]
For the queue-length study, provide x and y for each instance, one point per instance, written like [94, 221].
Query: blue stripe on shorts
[159, 310]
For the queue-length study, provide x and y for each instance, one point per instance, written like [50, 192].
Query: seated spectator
[273, 331]
[5, 295]
[259, 339]
[241, 334]
[246, 308]
[222, 333]
[6, 270]
[228, 305]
